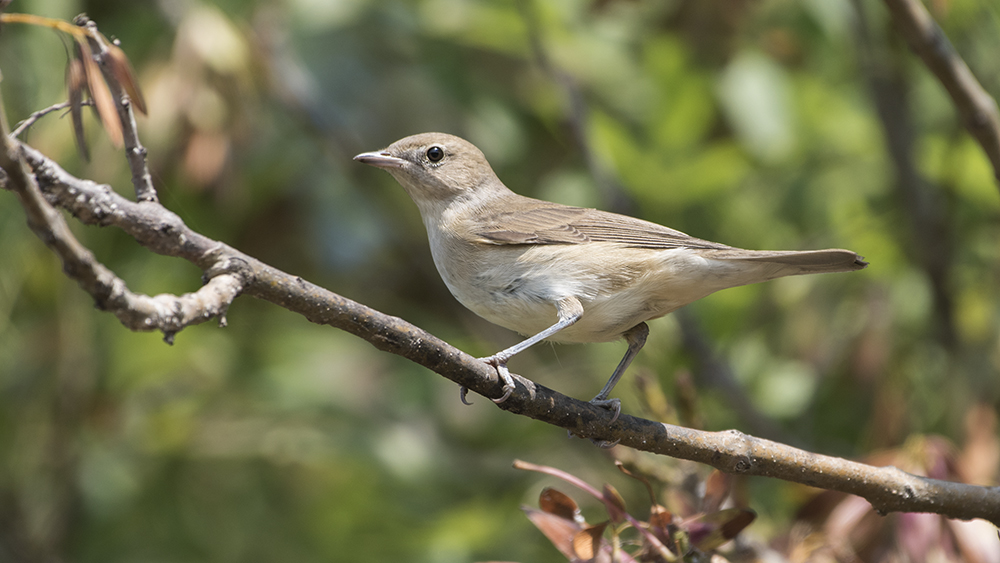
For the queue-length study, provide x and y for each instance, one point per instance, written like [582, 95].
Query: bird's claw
[463, 391]
[506, 393]
[613, 405]
[508, 382]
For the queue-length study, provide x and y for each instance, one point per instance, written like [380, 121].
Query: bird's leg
[636, 338]
[569, 310]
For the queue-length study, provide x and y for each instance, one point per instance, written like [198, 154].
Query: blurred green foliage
[750, 123]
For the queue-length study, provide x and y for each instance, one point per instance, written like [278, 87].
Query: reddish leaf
[557, 529]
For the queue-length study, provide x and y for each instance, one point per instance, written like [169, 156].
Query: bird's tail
[753, 266]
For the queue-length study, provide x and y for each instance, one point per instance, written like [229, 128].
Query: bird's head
[436, 169]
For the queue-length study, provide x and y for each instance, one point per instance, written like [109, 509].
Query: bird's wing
[549, 223]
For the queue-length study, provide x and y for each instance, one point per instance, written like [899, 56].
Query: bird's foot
[613, 405]
[504, 373]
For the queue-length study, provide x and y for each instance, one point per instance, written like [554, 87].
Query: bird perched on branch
[560, 273]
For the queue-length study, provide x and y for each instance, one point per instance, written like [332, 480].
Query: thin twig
[33, 118]
[135, 153]
[978, 109]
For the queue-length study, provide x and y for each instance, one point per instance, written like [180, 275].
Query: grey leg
[636, 338]
[569, 309]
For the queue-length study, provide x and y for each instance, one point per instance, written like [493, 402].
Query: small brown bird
[560, 273]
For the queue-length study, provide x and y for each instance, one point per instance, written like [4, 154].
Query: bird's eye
[435, 153]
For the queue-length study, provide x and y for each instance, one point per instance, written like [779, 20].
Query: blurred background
[771, 124]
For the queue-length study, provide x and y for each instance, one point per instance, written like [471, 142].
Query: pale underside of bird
[560, 273]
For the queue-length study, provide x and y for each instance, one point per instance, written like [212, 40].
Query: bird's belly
[620, 292]
[605, 317]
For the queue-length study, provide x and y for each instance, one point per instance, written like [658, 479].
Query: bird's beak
[380, 159]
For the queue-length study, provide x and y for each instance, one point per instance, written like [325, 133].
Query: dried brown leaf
[560, 504]
[76, 81]
[103, 100]
[660, 517]
[661, 524]
[740, 519]
[587, 543]
[709, 531]
[123, 72]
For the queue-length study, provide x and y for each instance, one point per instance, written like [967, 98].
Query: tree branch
[165, 312]
[977, 108]
[886, 488]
